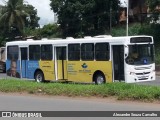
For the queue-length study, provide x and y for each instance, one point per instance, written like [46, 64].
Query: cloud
[43, 11]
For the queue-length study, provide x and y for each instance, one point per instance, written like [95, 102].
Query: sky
[44, 11]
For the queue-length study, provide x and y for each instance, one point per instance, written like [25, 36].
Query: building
[138, 11]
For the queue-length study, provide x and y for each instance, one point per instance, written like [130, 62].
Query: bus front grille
[144, 73]
[143, 79]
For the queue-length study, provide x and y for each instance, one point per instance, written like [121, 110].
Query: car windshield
[140, 54]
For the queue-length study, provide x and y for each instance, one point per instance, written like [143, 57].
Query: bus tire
[99, 79]
[39, 77]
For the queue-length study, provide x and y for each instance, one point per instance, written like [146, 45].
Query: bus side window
[74, 52]
[46, 52]
[87, 51]
[102, 51]
[34, 52]
[12, 52]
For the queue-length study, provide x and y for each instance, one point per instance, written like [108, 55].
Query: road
[25, 102]
[22, 102]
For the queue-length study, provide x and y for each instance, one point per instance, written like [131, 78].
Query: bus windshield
[140, 54]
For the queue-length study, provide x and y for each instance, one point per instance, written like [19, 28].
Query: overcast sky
[43, 10]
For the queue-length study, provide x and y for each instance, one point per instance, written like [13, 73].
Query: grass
[122, 91]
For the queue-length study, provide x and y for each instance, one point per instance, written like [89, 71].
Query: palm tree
[13, 16]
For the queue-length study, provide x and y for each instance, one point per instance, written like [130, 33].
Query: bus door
[60, 63]
[118, 62]
[24, 58]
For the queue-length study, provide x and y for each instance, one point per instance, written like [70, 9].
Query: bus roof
[118, 40]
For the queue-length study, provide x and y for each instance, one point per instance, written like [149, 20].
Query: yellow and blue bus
[99, 59]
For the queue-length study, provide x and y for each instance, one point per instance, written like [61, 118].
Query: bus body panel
[32, 67]
[47, 68]
[140, 73]
[83, 71]
[24, 68]
[61, 70]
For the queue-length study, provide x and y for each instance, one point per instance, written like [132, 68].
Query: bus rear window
[12, 53]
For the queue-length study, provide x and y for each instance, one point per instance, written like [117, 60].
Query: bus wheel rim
[39, 78]
[100, 80]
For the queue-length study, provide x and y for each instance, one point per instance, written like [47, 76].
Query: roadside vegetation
[121, 91]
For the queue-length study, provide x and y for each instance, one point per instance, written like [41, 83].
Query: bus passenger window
[34, 52]
[74, 52]
[87, 51]
[102, 51]
[46, 52]
[12, 52]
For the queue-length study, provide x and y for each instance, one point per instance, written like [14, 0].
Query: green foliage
[35, 33]
[122, 91]
[2, 41]
[51, 31]
[153, 4]
[48, 31]
[31, 21]
[15, 16]
[12, 16]
[134, 29]
[79, 18]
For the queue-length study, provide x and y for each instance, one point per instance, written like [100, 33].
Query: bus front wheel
[99, 79]
[39, 77]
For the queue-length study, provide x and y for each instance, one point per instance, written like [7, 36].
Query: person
[132, 57]
[12, 71]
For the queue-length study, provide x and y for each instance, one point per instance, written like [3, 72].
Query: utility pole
[127, 18]
[110, 17]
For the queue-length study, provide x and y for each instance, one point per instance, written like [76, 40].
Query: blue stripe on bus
[24, 68]
[31, 67]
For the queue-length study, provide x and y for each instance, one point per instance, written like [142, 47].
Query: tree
[51, 30]
[32, 19]
[154, 9]
[85, 17]
[13, 17]
[16, 17]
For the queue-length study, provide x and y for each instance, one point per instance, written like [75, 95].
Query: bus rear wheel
[39, 77]
[99, 79]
